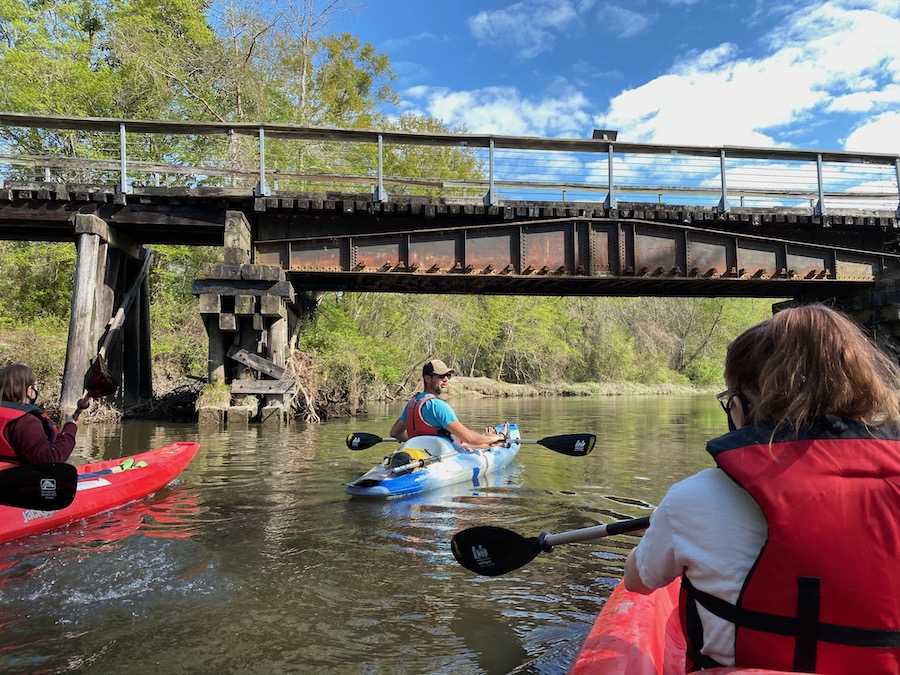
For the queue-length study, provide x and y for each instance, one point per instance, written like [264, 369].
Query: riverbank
[178, 400]
[482, 386]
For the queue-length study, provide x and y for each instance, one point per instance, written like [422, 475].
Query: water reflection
[256, 560]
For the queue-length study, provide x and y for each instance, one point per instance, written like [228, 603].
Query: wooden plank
[245, 304]
[262, 386]
[210, 303]
[242, 287]
[255, 362]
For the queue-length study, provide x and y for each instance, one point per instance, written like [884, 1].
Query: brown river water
[256, 561]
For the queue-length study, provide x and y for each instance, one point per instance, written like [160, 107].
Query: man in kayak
[789, 551]
[27, 434]
[428, 415]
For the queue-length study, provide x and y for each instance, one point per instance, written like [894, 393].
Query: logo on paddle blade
[48, 488]
[579, 446]
[482, 556]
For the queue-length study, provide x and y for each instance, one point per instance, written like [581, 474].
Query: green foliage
[384, 338]
[38, 281]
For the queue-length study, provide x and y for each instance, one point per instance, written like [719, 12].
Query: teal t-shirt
[435, 412]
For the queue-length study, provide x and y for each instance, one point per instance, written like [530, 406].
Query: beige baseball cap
[435, 367]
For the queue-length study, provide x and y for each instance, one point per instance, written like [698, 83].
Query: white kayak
[428, 462]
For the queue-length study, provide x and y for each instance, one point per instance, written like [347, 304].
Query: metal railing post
[610, 201]
[380, 194]
[489, 198]
[724, 206]
[897, 170]
[819, 209]
[262, 188]
[123, 186]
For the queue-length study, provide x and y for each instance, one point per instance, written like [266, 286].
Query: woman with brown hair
[27, 435]
[789, 550]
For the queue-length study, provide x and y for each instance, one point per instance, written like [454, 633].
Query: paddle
[576, 445]
[98, 381]
[45, 486]
[492, 551]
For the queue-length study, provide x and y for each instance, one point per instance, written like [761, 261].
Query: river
[256, 561]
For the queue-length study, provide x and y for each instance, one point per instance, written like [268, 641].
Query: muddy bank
[483, 386]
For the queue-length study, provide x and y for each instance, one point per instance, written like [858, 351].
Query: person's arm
[632, 578]
[472, 439]
[398, 431]
[27, 436]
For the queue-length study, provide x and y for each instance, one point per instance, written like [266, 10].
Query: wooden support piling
[81, 339]
[110, 299]
[245, 308]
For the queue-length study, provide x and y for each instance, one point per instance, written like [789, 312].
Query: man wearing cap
[427, 415]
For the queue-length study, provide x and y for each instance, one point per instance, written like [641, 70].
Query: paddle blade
[98, 381]
[362, 441]
[575, 445]
[43, 487]
[492, 551]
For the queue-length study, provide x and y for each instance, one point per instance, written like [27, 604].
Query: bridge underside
[661, 286]
[571, 250]
[339, 241]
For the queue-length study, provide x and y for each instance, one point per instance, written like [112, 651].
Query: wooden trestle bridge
[530, 216]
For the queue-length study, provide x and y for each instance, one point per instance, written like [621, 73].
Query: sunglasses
[445, 376]
[726, 400]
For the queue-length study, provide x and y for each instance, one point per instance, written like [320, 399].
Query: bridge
[300, 210]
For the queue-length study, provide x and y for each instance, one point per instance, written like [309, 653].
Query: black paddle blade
[362, 441]
[98, 381]
[492, 551]
[43, 487]
[575, 445]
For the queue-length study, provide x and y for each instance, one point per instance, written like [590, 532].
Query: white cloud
[622, 22]
[411, 40]
[504, 111]
[827, 62]
[878, 134]
[822, 58]
[528, 26]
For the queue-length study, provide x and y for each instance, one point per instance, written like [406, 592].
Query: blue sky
[793, 73]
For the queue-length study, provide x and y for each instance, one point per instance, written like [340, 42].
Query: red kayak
[103, 486]
[640, 635]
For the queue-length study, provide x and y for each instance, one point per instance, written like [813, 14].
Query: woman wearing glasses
[789, 550]
[27, 435]
[428, 415]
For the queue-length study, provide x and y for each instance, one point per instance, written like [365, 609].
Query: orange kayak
[640, 635]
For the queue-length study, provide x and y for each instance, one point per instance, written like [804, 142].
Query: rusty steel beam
[581, 256]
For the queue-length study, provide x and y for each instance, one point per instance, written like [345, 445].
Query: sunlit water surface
[256, 561]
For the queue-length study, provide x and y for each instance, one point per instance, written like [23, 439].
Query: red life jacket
[416, 424]
[824, 593]
[10, 411]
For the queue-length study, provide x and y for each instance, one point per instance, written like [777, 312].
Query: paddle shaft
[547, 541]
[417, 464]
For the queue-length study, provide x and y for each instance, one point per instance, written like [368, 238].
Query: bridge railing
[241, 158]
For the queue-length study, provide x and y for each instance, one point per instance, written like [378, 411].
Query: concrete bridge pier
[249, 314]
[110, 316]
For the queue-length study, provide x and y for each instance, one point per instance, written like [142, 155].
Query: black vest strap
[805, 627]
[808, 601]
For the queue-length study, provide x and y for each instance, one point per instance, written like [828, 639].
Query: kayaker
[426, 414]
[789, 551]
[27, 434]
